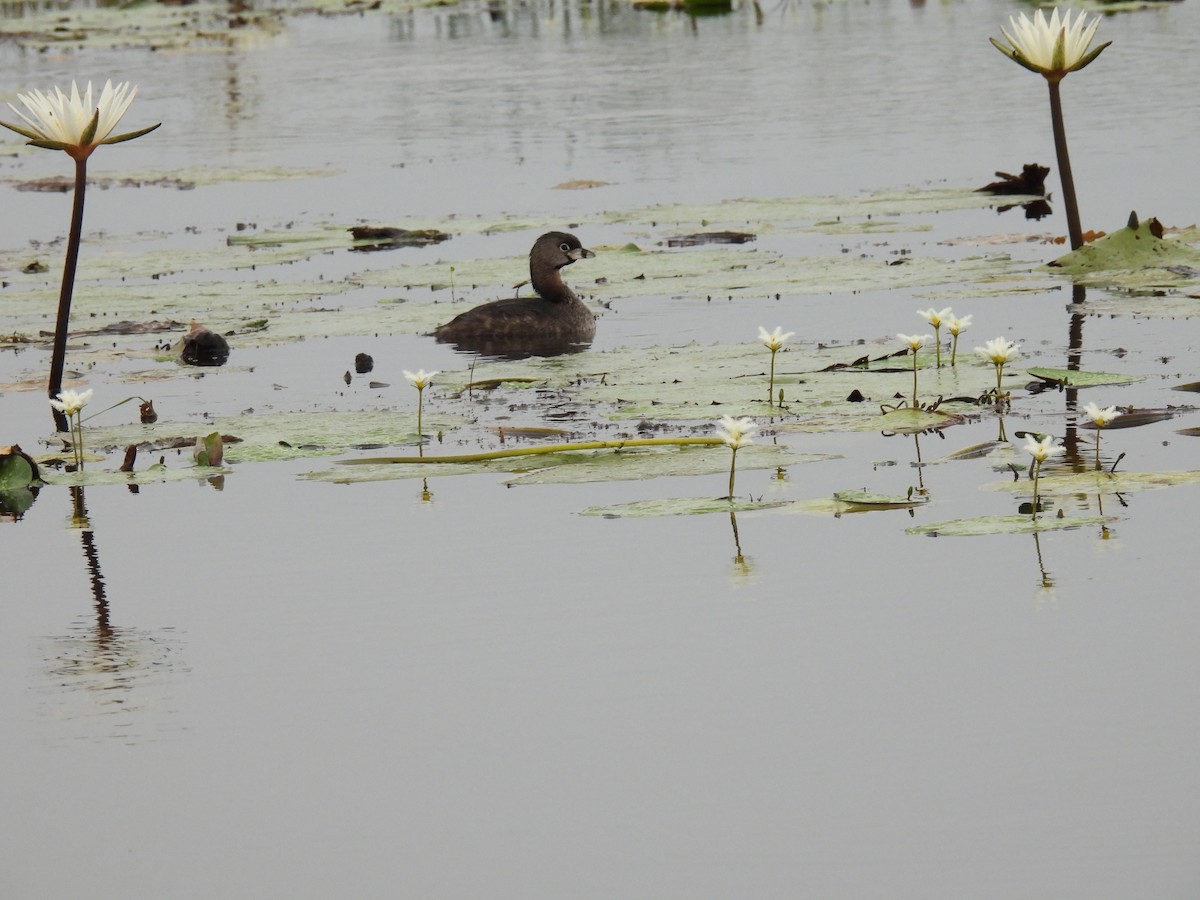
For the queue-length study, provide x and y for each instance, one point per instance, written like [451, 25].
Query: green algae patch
[1014, 524]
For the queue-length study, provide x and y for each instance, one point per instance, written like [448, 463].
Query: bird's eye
[564, 247]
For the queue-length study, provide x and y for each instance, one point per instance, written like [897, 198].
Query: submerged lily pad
[1014, 524]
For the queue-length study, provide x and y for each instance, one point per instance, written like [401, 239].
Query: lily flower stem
[1037, 469]
[914, 402]
[732, 470]
[420, 409]
[1064, 166]
[954, 351]
[58, 356]
[1098, 449]
[999, 379]
[937, 340]
[771, 385]
[77, 439]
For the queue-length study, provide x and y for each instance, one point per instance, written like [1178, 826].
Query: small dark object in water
[146, 412]
[363, 363]
[387, 238]
[711, 237]
[1031, 181]
[347, 377]
[553, 322]
[202, 347]
[130, 458]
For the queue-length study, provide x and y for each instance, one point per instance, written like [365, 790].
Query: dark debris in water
[374, 237]
[1031, 182]
[711, 237]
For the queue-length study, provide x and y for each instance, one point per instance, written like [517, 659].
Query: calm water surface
[286, 688]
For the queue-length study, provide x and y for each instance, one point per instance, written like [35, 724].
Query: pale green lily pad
[152, 474]
[680, 506]
[1074, 378]
[1058, 484]
[276, 436]
[907, 420]
[864, 499]
[1014, 524]
[580, 467]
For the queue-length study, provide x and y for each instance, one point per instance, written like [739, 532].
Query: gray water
[289, 688]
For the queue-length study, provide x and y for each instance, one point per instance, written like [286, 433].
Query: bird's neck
[550, 286]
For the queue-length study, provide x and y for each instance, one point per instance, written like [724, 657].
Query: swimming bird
[555, 321]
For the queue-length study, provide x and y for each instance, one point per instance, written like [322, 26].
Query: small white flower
[73, 122]
[999, 351]
[420, 379]
[934, 317]
[773, 340]
[1101, 417]
[735, 432]
[71, 402]
[1051, 47]
[915, 341]
[957, 326]
[1044, 449]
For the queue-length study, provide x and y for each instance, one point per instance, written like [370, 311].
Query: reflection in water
[1047, 580]
[742, 571]
[105, 681]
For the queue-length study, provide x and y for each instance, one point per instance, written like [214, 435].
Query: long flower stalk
[75, 125]
[535, 451]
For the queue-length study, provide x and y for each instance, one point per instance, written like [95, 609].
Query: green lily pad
[1134, 257]
[17, 470]
[1014, 524]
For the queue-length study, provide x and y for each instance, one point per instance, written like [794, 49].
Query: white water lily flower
[73, 123]
[773, 340]
[999, 351]
[957, 326]
[71, 402]
[915, 341]
[934, 317]
[1044, 449]
[1051, 47]
[735, 432]
[420, 379]
[1101, 417]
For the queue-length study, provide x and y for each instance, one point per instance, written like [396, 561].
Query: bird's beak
[580, 253]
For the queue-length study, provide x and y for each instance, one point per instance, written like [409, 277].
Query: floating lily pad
[1058, 484]
[863, 499]
[679, 506]
[1074, 378]
[1135, 258]
[1014, 524]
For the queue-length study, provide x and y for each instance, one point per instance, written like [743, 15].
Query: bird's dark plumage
[553, 322]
